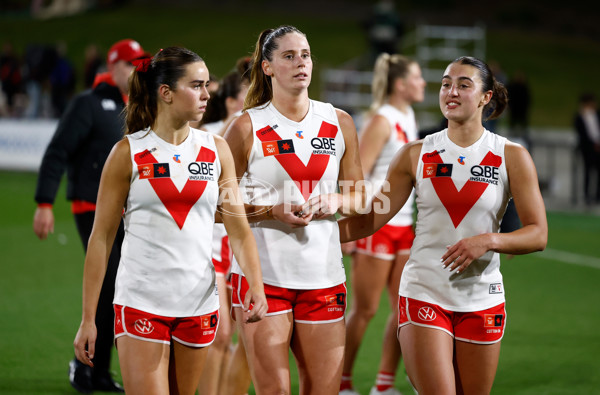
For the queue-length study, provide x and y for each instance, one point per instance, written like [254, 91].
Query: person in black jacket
[587, 126]
[91, 125]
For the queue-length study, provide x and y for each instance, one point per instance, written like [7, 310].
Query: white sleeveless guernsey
[219, 231]
[166, 266]
[461, 192]
[292, 162]
[213, 127]
[403, 127]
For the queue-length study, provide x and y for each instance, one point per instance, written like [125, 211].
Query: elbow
[541, 241]
[542, 244]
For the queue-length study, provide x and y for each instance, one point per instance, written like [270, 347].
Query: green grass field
[551, 344]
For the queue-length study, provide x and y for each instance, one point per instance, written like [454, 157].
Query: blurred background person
[92, 65]
[92, 123]
[39, 61]
[378, 260]
[519, 106]
[587, 126]
[62, 81]
[10, 76]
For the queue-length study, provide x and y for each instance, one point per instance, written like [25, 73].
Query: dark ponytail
[165, 67]
[499, 100]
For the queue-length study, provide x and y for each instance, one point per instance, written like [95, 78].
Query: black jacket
[584, 142]
[92, 123]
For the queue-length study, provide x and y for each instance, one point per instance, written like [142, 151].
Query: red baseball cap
[126, 50]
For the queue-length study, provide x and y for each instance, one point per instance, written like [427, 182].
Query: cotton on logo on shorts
[426, 314]
[143, 326]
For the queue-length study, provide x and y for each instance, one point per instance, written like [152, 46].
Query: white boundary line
[570, 258]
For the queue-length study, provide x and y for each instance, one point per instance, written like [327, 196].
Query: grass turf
[550, 346]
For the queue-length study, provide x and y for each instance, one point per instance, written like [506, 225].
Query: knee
[365, 312]
[222, 339]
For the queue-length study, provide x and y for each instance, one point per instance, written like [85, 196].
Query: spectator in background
[10, 76]
[587, 126]
[90, 126]
[92, 65]
[519, 105]
[62, 80]
[39, 63]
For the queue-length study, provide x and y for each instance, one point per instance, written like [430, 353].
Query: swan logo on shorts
[208, 321]
[492, 320]
[143, 326]
[426, 313]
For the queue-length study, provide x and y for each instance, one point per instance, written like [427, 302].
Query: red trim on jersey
[401, 134]
[178, 204]
[459, 203]
[300, 173]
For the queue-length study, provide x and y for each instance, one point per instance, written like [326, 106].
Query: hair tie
[141, 65]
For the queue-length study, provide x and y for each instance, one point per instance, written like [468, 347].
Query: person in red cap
[90, 126]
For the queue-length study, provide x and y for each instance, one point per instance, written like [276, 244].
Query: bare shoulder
[344, 119]
[515, 153]
[240, 126]
[121, 150]
[222, 146]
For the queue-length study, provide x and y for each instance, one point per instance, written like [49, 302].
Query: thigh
[144, 366]
[369, 278]
[319, 352]
[225, 330]
[393, 283]
[185, 368]
[476, 366]
[267, 345]
[428, 358]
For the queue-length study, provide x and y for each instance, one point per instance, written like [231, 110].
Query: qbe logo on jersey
[201, 171]
[323, 145]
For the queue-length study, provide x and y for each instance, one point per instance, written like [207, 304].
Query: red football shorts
[482, 327]
[311, 306]
[387, 242]
[197, 331]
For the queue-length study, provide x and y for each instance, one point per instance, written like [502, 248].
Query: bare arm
[532, 237]
[240, 236]
[388, 201]
[372, 139]
[114, 188]
[240, 139]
